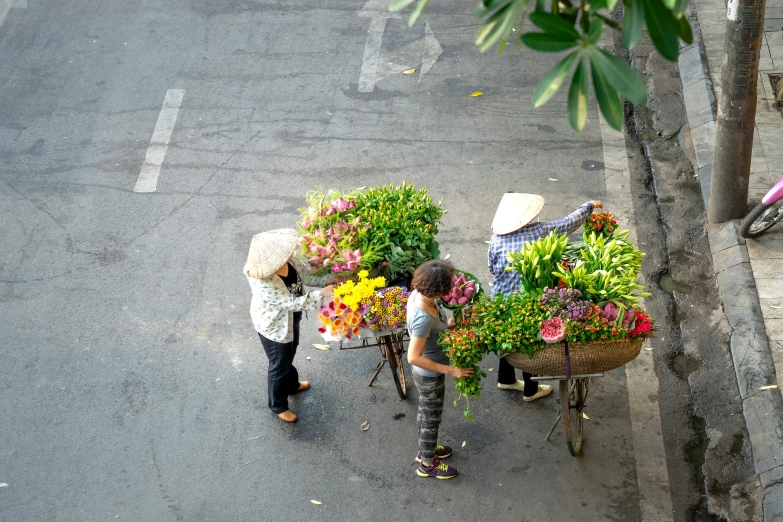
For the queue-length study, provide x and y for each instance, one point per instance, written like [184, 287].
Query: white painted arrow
[7, 5]
[378, 11]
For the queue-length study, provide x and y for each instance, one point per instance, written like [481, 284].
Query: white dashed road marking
[159, 144]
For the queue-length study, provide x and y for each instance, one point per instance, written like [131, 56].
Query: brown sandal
[303, 385]
[287, 416]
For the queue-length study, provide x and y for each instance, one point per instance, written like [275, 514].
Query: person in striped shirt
[512, 227]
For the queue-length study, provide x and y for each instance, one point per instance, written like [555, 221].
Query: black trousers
[282, 377]
[507, 375]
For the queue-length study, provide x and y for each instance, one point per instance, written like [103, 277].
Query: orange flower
[352, 319]
[338, 323]
[325, 320]
[356, 330]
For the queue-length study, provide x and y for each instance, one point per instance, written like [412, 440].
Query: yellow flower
[362, 274]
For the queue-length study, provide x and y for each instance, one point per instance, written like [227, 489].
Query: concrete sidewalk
[749, 273]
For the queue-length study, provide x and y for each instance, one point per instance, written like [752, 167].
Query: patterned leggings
[431, 393]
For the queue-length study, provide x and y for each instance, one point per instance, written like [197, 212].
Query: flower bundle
[338, 320]
[386, 309]
[357, 293]
[602, 223]
[464, 351]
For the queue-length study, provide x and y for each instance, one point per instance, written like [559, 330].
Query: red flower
[322, 330]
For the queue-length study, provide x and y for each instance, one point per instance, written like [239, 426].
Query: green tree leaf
[546, 43]
[499, 26]
[633, 23]
[608, 100]
[577, 98]
[417, 12]
[487, 7]
[596, 28]
[684, 29]
[550, 83]
[396, 5]
[669, 4]
[619, 75]
[679, 7]
[554, 25]
[662, 28]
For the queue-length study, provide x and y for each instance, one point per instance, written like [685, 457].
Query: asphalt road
[132, 383]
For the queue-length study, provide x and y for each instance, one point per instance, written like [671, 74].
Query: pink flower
[342, 226]
[318, 234]
[552, 330]
[351, 265]
[322, 251]
[342, 204]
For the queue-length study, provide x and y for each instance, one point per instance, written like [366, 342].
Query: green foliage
[567, 24]
[403, 223]
[537, 261]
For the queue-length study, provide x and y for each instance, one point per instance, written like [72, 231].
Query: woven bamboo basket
[585, 359]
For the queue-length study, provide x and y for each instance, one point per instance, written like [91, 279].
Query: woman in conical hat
[512, 227]
[277, 280]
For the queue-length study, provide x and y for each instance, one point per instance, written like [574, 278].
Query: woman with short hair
[429, 364]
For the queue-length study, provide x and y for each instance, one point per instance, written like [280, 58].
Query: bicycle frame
[774, 194]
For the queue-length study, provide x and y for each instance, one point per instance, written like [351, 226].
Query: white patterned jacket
[272, 306]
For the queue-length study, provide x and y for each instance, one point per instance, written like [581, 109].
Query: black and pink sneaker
[437, 470]
[441, 452]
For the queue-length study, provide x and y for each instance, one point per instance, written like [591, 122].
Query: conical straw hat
[515, 211]
[269, 251]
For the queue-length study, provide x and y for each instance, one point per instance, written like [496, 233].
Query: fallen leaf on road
[463, 443]
[248, 462]
[316, 502]
[477, 93]
[409, 71]
[585, 416]
[447, 256]
[648, 348]
[3, 485]
[321, 346]
[254, 438]
[365, 425]
[776, 307]
[308, 358]
[768, 387]
[552, 179]
[487, 242]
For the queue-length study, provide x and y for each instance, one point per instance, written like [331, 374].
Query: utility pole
[736, 111]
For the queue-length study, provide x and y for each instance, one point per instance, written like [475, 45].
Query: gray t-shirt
[422, 324]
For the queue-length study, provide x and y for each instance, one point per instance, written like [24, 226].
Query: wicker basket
[595, 357]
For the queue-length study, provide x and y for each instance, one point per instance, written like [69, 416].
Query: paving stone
[772, 308]
[764, 428]
[769, 288]
[704, 143]
[729, 257]
[767, 246]
[773, 24]
[773, 503]
[775, 475]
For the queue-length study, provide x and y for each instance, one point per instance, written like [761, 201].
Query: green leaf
[487, 7]
[684, 29]
[596, 28]
[608, 101]
[491, 30]
[620, 75]
[577, 98]
[610, 4]
[633, 23]
[396, 5]
[546, 43]
[679, 7]
[554, 25]
[417, 12]
[552, 80]
[662, 28]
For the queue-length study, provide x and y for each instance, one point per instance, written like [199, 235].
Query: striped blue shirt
[500, 246]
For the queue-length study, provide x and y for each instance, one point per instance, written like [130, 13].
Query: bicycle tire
[394, 358]
[746, 228]
[573, 393]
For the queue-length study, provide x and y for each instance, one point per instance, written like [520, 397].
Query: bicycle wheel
[573, 393]
[761, 218]
[394, 350]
